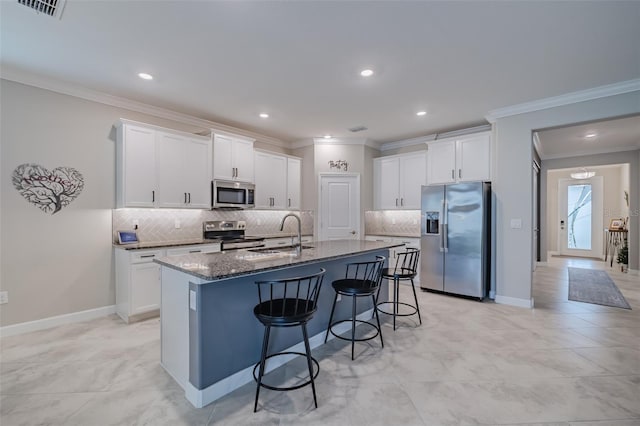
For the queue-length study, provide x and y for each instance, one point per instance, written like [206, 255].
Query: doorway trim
[324, 175]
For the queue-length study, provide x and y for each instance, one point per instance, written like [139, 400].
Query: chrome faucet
[298, 245]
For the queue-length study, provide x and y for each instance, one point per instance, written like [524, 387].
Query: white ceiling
[622, 134]
[227, 61]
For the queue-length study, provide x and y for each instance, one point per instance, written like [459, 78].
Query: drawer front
[145, 256]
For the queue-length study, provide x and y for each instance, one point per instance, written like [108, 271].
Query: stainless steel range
[230, 234]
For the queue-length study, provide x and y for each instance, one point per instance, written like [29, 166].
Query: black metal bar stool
[361, 279]
[288, 302]
[405, 269]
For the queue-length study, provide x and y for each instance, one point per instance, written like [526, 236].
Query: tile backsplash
[404, 223]
[159, 225]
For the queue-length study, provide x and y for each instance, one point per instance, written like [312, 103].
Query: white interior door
[580, 216]
[339, 207]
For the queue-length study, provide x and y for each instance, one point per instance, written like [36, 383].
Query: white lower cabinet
[200, 248]
[285, 241]
[137, 284]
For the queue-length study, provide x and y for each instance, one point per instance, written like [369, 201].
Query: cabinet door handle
[153, 196]
[453, 174]
[185, 198]
[460, 173]
[289, 202]
[189, 197]
[195, 251]
[402, 201]
[396, 202]
[148, 255]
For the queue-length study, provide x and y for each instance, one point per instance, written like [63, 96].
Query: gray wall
[513, 177]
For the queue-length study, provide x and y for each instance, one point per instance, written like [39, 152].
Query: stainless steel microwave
[230, 194]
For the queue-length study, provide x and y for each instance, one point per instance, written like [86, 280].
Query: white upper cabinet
[271, 181]
[398, 180]
[294, 177]
[232, 158]
[184, 171]
[277, 181]
[466, 158]
[136, 179]
[162, 168]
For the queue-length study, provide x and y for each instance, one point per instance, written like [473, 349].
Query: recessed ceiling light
[590, 135]
[264, 115]
[145, 76]
[421, 113]
[366, 73]
[327, 136]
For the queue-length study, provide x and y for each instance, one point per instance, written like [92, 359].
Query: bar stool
[288, 302]
[405, 269]
[361, 279]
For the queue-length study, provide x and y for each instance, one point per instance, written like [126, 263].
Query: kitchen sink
[278, 249]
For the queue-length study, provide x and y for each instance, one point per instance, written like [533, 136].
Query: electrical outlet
[4, 297]
[393, 220]
[176, 223]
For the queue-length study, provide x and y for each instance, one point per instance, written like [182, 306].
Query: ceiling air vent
[48, 7]
[357, 129]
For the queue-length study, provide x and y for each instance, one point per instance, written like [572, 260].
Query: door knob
[353, 232]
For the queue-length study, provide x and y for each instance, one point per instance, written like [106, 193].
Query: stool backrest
[369, 272]
[407, 260]
[290, 296]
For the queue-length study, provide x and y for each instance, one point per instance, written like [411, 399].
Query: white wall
[611, 199]
[512, 184]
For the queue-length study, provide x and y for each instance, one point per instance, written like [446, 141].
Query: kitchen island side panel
[224, 335]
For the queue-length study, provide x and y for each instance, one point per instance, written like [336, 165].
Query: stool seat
[362, 279]
[284, 311]
[349, 286]
[400, 273]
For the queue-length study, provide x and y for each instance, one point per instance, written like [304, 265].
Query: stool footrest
[415, 310]
[362, 339]
[275, 388]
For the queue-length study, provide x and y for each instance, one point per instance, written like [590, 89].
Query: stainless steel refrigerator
[456, 238]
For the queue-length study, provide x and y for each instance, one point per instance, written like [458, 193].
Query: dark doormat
[595, 286]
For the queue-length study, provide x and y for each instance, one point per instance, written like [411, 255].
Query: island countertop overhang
[225, 265]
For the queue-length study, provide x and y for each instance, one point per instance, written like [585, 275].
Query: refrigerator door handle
[445, 237]
[442, 237]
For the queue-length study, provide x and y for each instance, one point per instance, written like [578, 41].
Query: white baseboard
[201, 397]
[514, 301]
[42, 324]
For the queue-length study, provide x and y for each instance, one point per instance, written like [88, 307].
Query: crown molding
[566, 99]
[334, 141]
[301, 143]
[23, 77]
[590, 152]
[432, 137]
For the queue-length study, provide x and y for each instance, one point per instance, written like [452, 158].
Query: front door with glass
[580, 217]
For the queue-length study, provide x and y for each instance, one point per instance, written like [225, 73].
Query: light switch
[516, 223]
[192, 300]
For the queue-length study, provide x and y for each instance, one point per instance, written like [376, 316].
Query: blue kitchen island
[210, 339]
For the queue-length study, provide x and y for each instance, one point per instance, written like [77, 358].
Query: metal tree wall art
[50, 191]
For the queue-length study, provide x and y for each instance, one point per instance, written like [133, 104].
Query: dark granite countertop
[217, 266]
[191, 242]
